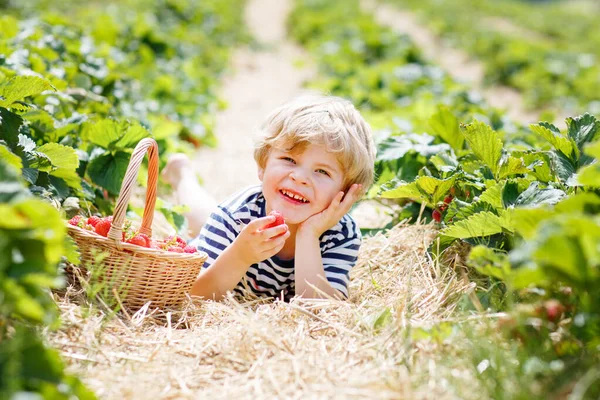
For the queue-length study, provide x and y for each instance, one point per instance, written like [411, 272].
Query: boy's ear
[261, 173]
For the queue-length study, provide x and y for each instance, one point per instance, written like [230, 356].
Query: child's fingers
[270, 233]
[260, 223]
[274, 245]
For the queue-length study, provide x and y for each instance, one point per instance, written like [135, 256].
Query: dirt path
[456, 62]
[261, 80]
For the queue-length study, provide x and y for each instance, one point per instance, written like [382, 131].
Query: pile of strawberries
[102, 225]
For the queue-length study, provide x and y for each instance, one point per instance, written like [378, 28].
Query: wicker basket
[137, 274]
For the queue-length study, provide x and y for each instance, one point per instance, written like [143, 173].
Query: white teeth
[294, 196]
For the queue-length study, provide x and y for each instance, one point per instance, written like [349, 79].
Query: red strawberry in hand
[278, 219]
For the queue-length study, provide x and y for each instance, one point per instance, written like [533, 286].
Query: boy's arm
[223, 275]
[309, 269]
[308, 266]
[252, 245]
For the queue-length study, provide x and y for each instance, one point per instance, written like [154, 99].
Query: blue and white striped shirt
[274, 277]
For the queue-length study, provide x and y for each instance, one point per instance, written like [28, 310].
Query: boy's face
[301, 183]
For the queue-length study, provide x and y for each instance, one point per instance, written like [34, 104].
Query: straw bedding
[257, 348]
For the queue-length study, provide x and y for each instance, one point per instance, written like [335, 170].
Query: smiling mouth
[293, 196]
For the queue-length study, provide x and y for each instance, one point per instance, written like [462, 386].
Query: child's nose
[299, 176]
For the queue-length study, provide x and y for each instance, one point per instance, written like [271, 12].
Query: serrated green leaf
[560, 142]
[534, 196]
[446, 126]
[583, 202]
[563, 167]
[131, 136]
[485, 144]
[64, 162]
[103, 132]
[9, 127]
[479, 225]
[493, 195]
[19, 87]
[396, 147]
[108, 170]
[114, 135]
[583, 129]
[425, 187]
[10, 158]
[512, 166]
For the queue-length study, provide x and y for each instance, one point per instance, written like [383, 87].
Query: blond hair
[322, 120]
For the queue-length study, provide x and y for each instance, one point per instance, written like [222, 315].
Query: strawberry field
[482, 279]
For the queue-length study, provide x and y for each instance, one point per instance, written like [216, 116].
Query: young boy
[315, 158]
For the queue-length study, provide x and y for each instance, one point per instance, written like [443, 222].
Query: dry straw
[264, 349]
[135, 275]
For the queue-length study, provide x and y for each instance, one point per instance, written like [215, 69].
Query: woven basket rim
[135, 248]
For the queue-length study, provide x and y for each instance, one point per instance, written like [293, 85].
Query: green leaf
[114, 135]
[512, 166]
[108, 170]
[485, 143]
[527, 220]
[9, 127]
[493, 195]
[396, 147]
[534, 196]
[561, 143]
[582, 202]
[590, 175]
[10, 158]
[19, 87]
[64, 161]
[562, 166]
[583, 129]
[425, 187]
[479, 225]
[446, 126]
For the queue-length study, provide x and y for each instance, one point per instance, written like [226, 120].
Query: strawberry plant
[33, 238]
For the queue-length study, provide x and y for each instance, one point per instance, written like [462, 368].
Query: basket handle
[147, 145]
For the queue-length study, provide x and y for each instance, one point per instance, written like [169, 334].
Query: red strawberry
[75, 220]
[139, 240]
[146, 239]
[175, 249]
[189, 249]
[102, 227]
[93, 220]
[278, 219]
[448, 199]
[176, 240]
[554, 309]
[437, 215]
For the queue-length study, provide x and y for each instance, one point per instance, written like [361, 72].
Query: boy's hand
[317, 224]
[256, 242]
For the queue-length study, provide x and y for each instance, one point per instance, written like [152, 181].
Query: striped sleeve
[220, 231]
[340, 252]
